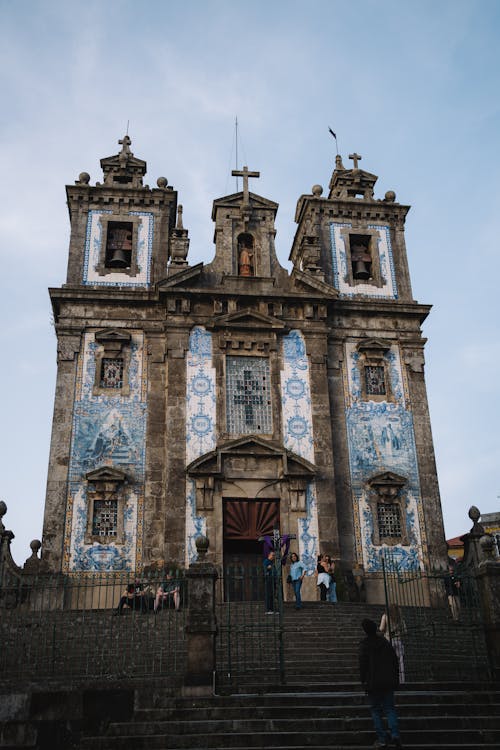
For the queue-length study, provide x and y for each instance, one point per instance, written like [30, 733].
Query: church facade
[230, 398]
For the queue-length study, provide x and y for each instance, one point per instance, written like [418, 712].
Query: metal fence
[66, 628]
[439, 626]
[250, 628]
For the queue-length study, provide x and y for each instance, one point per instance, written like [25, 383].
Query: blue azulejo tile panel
[93, 246]
[195, 525]
[298, 435]
[341, 275]
[108, 430]
[393, 361]
[381, 438]
[308, 531]
[296, 397]
[200, 422]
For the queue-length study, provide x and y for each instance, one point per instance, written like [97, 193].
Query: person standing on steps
[331, 595]
[323, 575]
[379, 673]
[297, 573]
[452, 588]
[270, 578]
[392, 627]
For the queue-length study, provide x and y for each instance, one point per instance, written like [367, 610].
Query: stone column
[488, 579]
[201, 625]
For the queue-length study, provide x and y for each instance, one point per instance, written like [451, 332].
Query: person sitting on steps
[168, 590]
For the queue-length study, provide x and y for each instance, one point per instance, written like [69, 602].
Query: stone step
[429, 738]
[333, 724]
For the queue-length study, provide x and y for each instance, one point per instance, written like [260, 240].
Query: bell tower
[385, 474]
[244, 234]
[122, 235]
[120, 228]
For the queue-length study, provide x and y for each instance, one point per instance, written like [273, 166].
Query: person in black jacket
[379, 672]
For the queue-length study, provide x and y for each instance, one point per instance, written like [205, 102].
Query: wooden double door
[245, 520]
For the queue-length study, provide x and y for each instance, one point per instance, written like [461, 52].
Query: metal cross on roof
[245, 174]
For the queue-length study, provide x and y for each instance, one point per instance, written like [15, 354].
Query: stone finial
[34, 564]
[162, 182]
[390, 196]
[83, 179]
[474, 514]
[3, 509]
[317, 190]
[477, 528]
[35, 546]
[338, 162]
[179, 244]
[202, 544]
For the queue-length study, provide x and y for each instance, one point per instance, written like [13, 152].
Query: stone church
[234, 397]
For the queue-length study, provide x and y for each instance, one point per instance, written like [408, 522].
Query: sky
[414, 87]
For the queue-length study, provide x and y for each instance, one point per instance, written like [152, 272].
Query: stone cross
[245, 174]
[355, 157]
[125, 153]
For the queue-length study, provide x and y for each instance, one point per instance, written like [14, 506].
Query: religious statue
[245, 262]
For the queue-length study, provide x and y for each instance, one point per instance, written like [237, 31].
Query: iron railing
[440, 642]
[56, 627]
[250, 648]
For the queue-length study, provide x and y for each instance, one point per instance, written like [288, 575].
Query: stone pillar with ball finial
[201, 625]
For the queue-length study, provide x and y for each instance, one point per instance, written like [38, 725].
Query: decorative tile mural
[296, 397]
[298, 434]
[200, 423]
[308, 533]
[93, 244]
[386, 261]
[108, 430]
[381, 438]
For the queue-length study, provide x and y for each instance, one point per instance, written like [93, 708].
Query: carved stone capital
[67, 347]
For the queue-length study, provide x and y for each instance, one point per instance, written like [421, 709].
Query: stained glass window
[389, 519]
[375, 380]
[105, 518]
[248, 395]
[111, 373]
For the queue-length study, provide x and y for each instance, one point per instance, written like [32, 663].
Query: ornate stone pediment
[181, 278]
[371, 347]
[251, 455]
[106, 474]
[234, 200]
[310, 282]
[387, 480]
[112, 335]
[248, 320]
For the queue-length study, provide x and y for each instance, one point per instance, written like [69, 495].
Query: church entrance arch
[244, 521]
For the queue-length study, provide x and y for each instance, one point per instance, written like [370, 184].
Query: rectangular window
[111, 373]
[248, 395]
[389, 520]
[375, 380]
[105, 518]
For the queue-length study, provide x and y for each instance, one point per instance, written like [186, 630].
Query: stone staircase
[444, 703]
[447, 719]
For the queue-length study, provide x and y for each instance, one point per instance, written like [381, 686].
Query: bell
[361, 270]
[118, 259]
